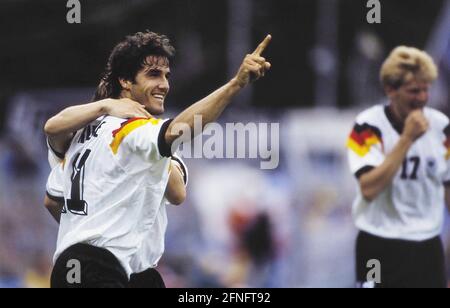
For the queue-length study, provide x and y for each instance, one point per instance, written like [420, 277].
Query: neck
[124, 94]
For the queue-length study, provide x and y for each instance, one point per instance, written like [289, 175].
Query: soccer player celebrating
[400, 155]
[116, 172]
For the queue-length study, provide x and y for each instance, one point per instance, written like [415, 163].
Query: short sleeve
[54, 187]
[143, 137]
[365, 148]
[54, 157]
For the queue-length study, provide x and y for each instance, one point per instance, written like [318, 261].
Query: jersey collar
[395, 124]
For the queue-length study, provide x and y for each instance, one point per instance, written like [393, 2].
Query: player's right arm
[61, 127]
[377, 179]
[54, 208]
[253, 67]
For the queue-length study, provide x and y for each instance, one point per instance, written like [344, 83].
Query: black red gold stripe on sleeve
[126, 128]
[363, 137]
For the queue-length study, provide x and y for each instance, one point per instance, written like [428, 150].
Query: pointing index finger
[261, 47]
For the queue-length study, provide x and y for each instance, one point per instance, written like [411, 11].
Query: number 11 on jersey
[76, 205]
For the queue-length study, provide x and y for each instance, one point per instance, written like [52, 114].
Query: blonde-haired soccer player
[400, 153]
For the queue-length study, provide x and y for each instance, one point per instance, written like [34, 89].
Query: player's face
[410, 96]
[152, 84]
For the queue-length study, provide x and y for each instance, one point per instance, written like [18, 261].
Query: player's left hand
[254, 65]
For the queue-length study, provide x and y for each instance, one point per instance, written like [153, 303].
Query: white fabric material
[410, 208]
[122, 193]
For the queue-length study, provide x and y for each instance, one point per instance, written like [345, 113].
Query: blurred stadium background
[241, 226]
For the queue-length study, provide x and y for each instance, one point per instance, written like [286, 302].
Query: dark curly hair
[128, 57]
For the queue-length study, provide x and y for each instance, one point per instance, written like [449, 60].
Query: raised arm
[60, 128]
[211, 107]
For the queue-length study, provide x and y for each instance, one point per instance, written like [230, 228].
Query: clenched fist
[415, 125]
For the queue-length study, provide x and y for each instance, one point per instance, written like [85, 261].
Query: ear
[125, 83]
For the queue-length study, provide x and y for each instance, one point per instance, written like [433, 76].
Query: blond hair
[405, 64]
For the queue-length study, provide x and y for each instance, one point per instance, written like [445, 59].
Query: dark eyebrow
[155, 69]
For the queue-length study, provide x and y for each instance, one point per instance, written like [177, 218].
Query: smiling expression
[151, 84]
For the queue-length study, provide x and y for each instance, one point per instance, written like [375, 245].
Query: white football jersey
[114, 177]
[54, 158]
[54, 187]
[146, 253]
[412, 207]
